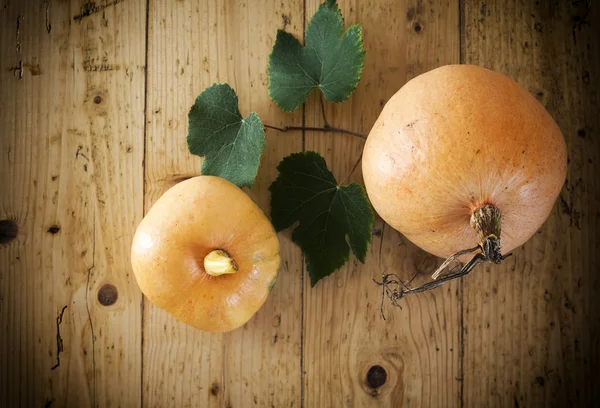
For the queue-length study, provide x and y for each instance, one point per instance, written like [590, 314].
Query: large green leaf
[306, 191]
[327, 62]
[231, 145]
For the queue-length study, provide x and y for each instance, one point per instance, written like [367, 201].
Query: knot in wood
[108, 295]
[376, 376]
[8, 231]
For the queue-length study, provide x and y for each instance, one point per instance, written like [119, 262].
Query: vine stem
[486, 221]
[353, 169]
[323, 109]
[317, 129]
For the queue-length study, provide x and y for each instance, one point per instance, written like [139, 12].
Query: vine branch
[317, 129]
[396, 289]
[353, 169]
[323, 109]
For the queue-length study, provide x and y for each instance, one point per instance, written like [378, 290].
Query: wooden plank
[191, 46]
[71, 119]
[344, 336]
[530, 332]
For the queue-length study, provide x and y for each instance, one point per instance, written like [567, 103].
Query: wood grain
[82, 159]
[191, 46]
[531, 334]
[70, 163]
[344, 334]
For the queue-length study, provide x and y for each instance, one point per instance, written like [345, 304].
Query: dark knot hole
[376, 376]
[8, 231]
[108, 295]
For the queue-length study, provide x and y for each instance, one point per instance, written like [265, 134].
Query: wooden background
[93, 119]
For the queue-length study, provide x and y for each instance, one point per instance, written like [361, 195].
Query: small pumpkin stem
[487, 221]
[219, 262]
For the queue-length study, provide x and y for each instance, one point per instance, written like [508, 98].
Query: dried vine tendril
[486, 220]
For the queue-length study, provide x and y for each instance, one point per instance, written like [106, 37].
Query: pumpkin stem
[219, 262]
[487, 221]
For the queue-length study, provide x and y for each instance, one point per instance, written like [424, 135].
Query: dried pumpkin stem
[487, 221]
[219, 262]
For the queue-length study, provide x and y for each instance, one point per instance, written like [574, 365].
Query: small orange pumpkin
[207, 254]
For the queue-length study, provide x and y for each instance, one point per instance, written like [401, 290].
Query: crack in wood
[581, 20]
[461, 341]
[88, 66]
[381, 235]
[87, 306]
[89, 8]
[18, 45]
[78, 153]
[59, 340]
[566, 208]
[17, 70]
[48, 25]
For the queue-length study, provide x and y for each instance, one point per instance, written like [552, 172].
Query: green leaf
[306, 191]
[327, 62]
[231, 145]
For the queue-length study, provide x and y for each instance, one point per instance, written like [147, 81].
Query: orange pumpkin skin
[454, 139]
[189, 221]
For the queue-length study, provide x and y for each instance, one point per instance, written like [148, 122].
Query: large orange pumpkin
[206, 253]
[454, 142]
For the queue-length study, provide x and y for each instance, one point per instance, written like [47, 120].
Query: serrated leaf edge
[214, 85]
[362, 64]
[237, 101]
[360, 45]
[269, 89]
[363, 192]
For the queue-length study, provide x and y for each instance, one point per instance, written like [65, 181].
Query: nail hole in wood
[108, 295]
[8, 231]
[97, 99]
[417, 27]
[376, 376]
[54, 229]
